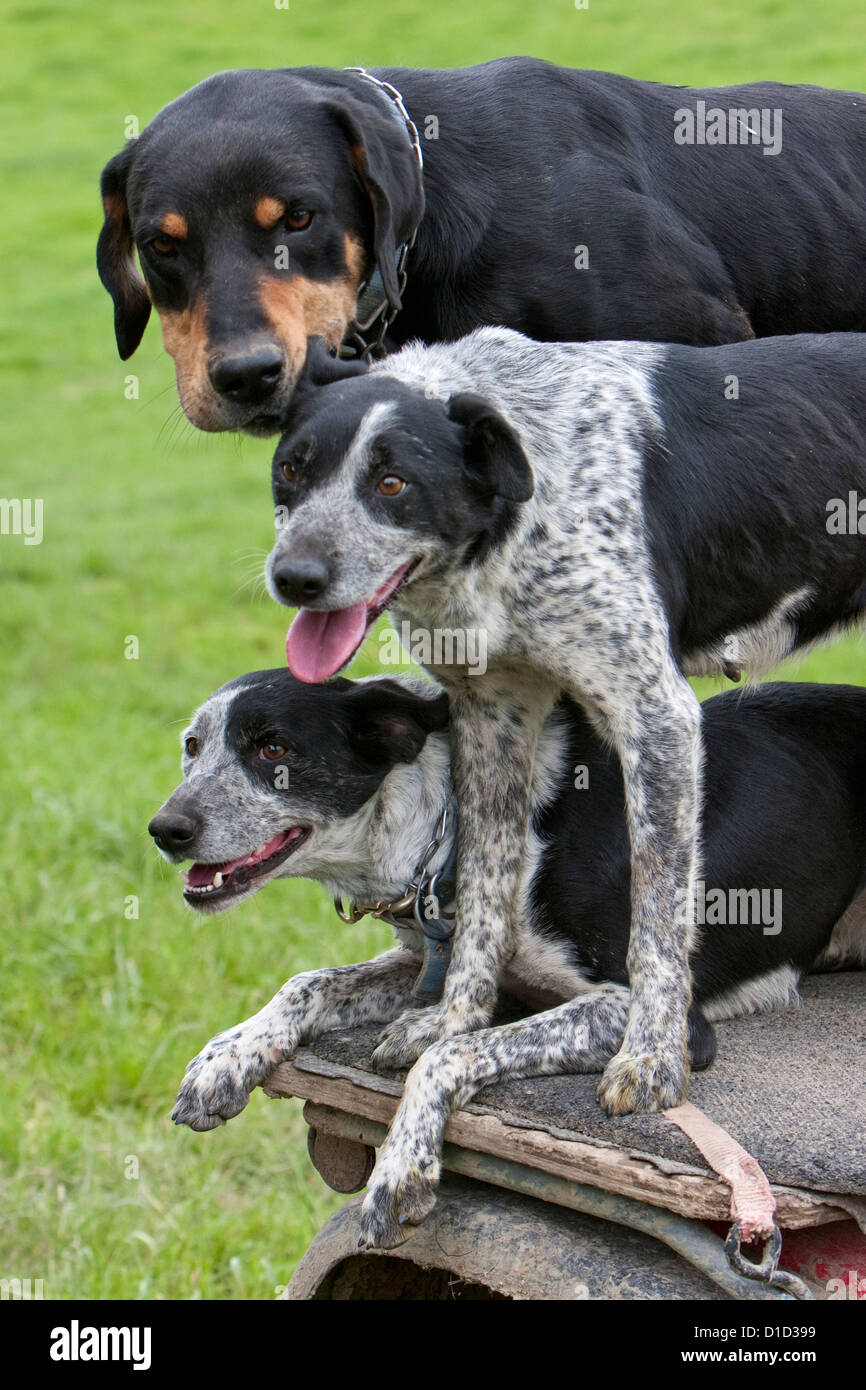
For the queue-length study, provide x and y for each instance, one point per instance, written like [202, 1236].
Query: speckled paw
[640, 1085]
[395, 1206]
[403, 1041]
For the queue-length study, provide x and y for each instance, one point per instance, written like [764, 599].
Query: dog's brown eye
[290, 470]
[298, 219]
[272, 751]
[391, 485]
[190, 747]
[164, 245]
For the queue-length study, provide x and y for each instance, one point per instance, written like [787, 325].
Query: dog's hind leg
[702, 1040]
[219, 1080]
[578, 1036]
[494, 731]
[846, 949]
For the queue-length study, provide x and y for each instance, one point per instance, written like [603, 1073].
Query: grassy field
[154, 531]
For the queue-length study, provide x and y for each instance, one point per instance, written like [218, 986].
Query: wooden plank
[357, 1094]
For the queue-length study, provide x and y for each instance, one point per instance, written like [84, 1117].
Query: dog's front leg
[656, 730]
[494, 731]
[578, 1036]
[218, 1082]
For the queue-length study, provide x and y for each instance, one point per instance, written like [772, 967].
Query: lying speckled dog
[346, 783]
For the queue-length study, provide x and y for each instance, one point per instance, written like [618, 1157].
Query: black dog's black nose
[247, 377]
[301, 579]
[173, 832]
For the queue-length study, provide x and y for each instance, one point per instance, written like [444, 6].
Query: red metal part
[833, 1257]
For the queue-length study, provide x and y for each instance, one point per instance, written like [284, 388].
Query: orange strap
[752, 1202]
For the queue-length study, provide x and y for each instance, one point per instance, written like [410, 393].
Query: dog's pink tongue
[319, 644]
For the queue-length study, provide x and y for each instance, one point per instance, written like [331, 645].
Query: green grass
[152, 530]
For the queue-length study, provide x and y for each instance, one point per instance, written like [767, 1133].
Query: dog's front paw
[640, 1085]
[403, 1041]
[219, 1080]
[400, 1195]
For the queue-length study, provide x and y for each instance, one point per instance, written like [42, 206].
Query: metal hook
[766, 1268]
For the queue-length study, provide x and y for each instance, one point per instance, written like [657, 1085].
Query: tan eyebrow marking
[174, 224]
[268, 212]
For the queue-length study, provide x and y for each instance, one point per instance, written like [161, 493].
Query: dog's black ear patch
[321, 367]
[115, 257]
[388, 168]
[492, 453]
[389, 724]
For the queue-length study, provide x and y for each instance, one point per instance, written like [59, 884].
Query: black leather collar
[365, 337]
[436, 926]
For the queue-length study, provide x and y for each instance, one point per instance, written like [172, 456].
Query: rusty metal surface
[343, 1163]
[691, 1240]
[486, 1238]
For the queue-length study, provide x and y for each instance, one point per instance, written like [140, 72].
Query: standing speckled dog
[611, 518]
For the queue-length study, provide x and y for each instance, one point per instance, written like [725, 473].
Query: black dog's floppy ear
[389, 724]
[388, 167]
[115, 257]
[492, 453]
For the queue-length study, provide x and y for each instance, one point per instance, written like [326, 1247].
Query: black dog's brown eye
[391, 485]
[290, 470]
[272, 751]
[164, 245]
[298, 219]
[190, 747]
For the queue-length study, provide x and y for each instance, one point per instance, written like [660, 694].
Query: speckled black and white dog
[610, 516]
[345, 783]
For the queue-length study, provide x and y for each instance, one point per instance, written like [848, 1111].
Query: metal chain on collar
[361, 341]
[414, 890]
[358, 343]
[397, 98]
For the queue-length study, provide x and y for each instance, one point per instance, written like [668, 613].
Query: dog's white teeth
[218, 881]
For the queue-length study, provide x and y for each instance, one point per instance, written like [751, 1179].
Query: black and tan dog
[568, 205]
[346, 783]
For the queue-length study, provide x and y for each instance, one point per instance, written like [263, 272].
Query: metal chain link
[356, 910]
[766, 1269]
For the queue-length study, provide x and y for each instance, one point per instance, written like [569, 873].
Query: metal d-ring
[439, 928]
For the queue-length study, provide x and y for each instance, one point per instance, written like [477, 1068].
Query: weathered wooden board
[343, 1094]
